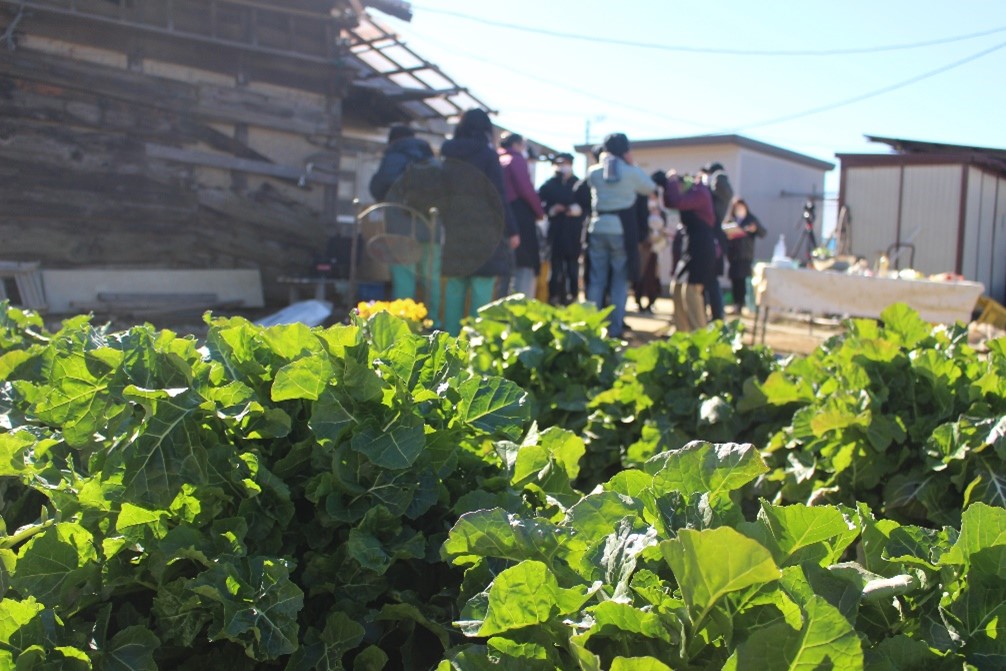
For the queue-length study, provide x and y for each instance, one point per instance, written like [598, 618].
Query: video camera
[809, 213]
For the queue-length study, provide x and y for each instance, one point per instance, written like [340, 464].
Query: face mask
[565, 170]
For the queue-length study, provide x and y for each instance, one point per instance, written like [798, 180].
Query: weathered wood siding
[109, 160]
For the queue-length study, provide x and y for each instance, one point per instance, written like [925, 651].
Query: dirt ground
[785, 334]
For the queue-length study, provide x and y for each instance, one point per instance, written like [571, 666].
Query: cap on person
[617, 144]
[562, 158]
[712, 167]
[510, 139]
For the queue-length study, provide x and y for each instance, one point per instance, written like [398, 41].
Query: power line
[596, 39]
[871, 94]
[559, 85]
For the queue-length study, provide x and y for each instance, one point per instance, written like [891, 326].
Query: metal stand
[807, 238]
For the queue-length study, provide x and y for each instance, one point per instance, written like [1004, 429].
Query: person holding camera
[566, 210]
[696, 266]
[614, 228]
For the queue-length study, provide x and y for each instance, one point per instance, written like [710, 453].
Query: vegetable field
[525, 497]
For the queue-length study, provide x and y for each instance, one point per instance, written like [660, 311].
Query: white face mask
[564, 170]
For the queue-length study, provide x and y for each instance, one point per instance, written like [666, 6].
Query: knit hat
[473, 123]
[398, 131]
[616, 144]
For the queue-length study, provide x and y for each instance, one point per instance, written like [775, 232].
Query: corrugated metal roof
[385, 65]
[985, 155]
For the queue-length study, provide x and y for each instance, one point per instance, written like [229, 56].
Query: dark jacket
[565, 232]
[478, 216]
[697, 264]
[397, 158]
[526, 207]
[740, 250]
[723, 195]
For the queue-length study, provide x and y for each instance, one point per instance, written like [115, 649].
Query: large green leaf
[638, 664]
[81, 396]
[167, 451]
[330, 420]
[982, 527]
[132, 649]
[58, 567]
[523, 595]
[799, 533]
[254, 603]
[20, 624]
[304, 378]
[712, 563]
[826, 641]
[901, 653]
[396, 446]
[978, 614]
[496, 533]
[493, 405]
[701, 467]
[323, 650]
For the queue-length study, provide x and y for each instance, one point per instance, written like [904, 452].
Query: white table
[836, 293]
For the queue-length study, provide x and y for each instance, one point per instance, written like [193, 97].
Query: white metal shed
[949, 201]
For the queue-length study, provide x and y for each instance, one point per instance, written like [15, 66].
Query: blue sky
[650, 93]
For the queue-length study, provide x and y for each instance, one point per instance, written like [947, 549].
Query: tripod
[807, 243]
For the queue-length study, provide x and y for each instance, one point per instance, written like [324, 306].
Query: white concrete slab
[70, 291]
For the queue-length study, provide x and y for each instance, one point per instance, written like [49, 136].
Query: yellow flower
[405, 308]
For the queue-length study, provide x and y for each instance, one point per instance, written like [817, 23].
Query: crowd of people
[498, 229]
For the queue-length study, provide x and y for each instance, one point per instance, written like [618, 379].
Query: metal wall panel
[972, 226]
[984, 253]
[997, 290]
[930, 212]
[871, 194]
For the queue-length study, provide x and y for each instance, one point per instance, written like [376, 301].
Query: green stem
[24, 534]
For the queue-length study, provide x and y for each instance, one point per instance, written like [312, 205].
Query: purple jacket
[517, 181]
[698, 199]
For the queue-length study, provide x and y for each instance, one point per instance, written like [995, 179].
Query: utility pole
[586, 130]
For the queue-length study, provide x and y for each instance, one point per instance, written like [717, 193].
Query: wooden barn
[175, 136]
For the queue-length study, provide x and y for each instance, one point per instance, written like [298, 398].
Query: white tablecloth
[834, 293]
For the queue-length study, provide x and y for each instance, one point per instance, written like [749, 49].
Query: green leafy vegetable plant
[902, 416]
[670, 392]
[559, 355]
[657, 569]
[270, 498]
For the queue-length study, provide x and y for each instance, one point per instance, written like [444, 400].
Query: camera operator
[696, 268]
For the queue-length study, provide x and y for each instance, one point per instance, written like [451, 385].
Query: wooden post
[354, 242]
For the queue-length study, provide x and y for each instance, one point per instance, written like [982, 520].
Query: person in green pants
[480, 232]
[403, 151]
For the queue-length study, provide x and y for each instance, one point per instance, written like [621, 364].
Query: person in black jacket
[742, 232]
[479, 217]
[405, 149]
[566, 209]
[716, 179]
